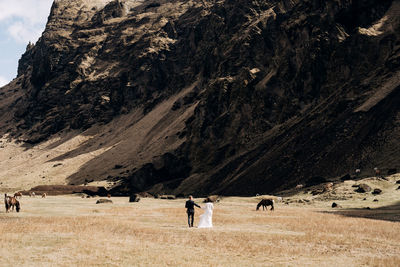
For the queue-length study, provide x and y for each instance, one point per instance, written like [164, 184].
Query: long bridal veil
[206, 217]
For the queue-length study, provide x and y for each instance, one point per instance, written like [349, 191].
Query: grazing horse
[18, 195]
[265, 202]
[11, 202]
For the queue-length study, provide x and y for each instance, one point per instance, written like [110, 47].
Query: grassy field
[74, 231]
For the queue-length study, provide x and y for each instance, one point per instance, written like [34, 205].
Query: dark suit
[190, 211]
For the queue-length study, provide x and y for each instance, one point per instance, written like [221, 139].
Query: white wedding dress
[206, 217]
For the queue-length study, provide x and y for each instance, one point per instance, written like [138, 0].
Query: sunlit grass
[70, 231]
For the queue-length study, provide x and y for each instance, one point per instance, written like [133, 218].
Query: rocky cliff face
[232, 97]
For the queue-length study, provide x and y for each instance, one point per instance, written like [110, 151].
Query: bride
[206, 217]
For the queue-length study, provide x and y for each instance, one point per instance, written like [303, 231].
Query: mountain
[227, 97]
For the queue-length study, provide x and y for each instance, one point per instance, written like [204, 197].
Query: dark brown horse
[11, 202]
[265, 202]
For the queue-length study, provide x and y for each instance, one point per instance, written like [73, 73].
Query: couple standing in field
[205, 218]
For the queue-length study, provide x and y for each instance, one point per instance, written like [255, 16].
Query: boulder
[328, 187]
[376, 191]
[213, 198]
[134, 198]
[335, 205]
[346, 177]
[101, 201]
[118, 166]
[167, 197]
[317, 192]
[145, 194]
[363, 188]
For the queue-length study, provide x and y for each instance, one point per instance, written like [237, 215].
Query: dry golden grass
[70, 231]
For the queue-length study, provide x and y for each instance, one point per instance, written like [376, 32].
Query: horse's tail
[6, 202]
[17, 206]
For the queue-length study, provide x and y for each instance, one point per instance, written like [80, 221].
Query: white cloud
[24, 33]
[25, 19]
[32, 10]
[3, 81]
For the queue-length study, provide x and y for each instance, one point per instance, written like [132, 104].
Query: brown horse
[265, 202]
[11, 202]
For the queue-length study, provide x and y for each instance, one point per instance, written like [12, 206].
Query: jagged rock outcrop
[245, 96]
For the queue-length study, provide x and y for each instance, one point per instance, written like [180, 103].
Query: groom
[190, 210]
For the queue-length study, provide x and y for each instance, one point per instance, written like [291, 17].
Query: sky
[21, 22]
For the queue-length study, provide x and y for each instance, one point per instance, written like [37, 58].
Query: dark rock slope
[277, 92]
